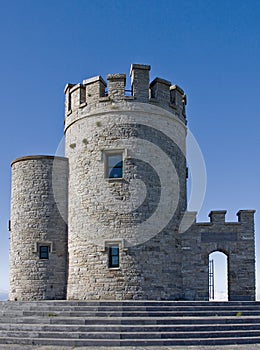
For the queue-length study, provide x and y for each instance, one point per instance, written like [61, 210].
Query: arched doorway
[218, 276]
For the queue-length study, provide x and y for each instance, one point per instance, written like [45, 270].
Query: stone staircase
[129, 323]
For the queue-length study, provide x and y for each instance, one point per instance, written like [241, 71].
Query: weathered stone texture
[36, 220]
[236, 240]
[140, 82]
[100, 210]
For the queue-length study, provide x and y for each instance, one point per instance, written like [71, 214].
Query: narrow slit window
[113, 256]
[115, 166]
[82, 96]
[69, 102]
[44, 252]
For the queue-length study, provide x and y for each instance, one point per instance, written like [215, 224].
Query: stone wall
[235, 239]
[36, 219]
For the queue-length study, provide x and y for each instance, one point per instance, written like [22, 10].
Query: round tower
[127, 187]
[38, 233]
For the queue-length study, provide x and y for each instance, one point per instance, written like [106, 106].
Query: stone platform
[129, 325]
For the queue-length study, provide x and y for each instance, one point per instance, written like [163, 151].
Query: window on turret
[44, 252]
[114, 165]
[113, 256]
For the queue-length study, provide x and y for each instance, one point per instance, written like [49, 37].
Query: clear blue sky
[209, 48]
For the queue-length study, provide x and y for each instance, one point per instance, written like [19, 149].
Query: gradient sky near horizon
[209, 48]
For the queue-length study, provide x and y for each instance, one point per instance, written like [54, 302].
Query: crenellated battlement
[244, 217]
[218, 218]
[95, 90]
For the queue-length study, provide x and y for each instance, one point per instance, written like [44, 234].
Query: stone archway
[218, 276]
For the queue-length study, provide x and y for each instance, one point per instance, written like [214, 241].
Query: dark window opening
[44, 252]
[82, 96]
[115, 166]
[69, 102]
[113, 256]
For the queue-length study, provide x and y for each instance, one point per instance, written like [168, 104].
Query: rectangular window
[82, 95]
[113, 256]
[114, 165]
[44, 252]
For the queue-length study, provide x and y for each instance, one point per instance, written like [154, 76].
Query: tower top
[95, 90]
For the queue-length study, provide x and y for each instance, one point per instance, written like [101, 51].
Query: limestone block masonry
[36, 221]
[103, 211]
[70, 215]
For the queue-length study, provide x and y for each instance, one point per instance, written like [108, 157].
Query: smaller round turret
[38, 245]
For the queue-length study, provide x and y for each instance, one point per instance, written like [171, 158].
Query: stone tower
[110, 220]
[132, 211]
[38, 244]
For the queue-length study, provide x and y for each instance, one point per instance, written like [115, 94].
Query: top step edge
[130, 302]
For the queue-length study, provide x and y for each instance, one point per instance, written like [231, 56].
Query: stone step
[131, 303]
[123, 314]
[130, 328]
[145, 308]
[131, 335]
[130, 321]
[48, 312]
[129, 342]
[64, 307]
[128, 314]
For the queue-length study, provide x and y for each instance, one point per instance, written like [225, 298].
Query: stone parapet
[92, 92]
[236, 240]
